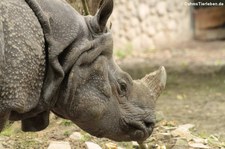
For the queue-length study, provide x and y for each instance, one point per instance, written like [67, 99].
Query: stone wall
[149, 24]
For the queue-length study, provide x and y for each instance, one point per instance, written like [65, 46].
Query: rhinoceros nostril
[149, 124]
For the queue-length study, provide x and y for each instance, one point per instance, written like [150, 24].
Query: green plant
[67, 133]
[8, 131]
[66, 123]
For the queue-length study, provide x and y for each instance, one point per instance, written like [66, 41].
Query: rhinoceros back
[22, 57]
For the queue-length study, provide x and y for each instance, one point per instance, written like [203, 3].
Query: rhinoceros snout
[149, 124]
[139, 130]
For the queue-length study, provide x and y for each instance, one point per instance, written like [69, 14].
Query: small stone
[181, 144]
[146, 42]
[171, 6]
[198, 145]
[152, 3]
[134, 22]
[143, 42]
[152, 12]
[59, 145]
[135, 145]
[3, 139]
[161, 8]
[136, 43]
[151, 31]
[131, 35]
[1, 146]
[183, 131]
[143, 11]
[111, 145]
[145, 146]
[172, 25]
[76, 136]
[160, 39]
[130, 6]
[91, 145]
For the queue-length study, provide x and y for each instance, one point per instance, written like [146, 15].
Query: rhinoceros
[52, 59]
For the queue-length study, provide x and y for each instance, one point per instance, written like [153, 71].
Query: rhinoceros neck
[59, 32]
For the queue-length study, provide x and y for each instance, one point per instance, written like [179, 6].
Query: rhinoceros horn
[156, 81]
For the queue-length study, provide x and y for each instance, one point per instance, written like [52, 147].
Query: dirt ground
[199, 100]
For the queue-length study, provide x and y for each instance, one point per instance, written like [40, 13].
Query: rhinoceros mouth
[137, 130]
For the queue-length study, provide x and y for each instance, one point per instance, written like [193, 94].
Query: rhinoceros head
[101, 98]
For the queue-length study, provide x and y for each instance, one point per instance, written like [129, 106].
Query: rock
[199, 140]
[76, 136]
[120, 43]
[1, 146]
[160, 20]
[111, 145]
[143, 11]
[161, 8]
[59, 145]
[172, 25]
[151, 31]
[183, 131]
[144, 146]
[134, 22]
[130, 6]
[159, 27]
[120, 147]
[185, 127]
[160, 39]
[171, 6]
[136, 43]
[131, 35]
[3, 138]
[152, 11]
[181, 144]
[143, 42]
[198, 145]
[91, 145]
[152, 3]
[135, 144]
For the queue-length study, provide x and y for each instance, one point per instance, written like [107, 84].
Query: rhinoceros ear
[100, 19]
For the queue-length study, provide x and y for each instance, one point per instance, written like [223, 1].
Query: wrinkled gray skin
[54, 59]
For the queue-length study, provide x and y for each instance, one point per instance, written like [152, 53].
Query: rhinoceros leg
[3, 119]
[37, 123]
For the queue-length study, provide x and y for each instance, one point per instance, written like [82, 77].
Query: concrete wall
[149, 24]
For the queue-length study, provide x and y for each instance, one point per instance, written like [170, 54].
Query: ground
[195, 94]
[199, 100]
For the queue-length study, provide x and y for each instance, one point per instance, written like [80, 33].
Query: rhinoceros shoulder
[61, 27]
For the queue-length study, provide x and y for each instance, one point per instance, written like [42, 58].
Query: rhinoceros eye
[122, 89]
